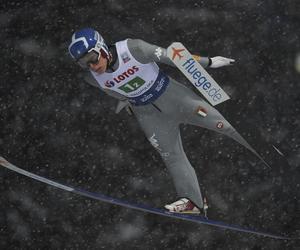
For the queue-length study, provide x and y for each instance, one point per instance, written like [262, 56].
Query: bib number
[132, 85]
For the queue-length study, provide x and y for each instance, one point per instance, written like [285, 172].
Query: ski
[144, 208]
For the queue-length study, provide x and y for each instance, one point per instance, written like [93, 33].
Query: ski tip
[3, 161]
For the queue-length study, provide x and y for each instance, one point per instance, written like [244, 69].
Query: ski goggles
[92, 57]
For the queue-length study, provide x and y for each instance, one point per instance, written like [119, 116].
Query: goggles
[92, 57]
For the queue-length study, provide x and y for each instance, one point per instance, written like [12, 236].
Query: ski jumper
[161, 104]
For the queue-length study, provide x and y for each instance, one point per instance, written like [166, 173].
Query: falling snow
[56, 125]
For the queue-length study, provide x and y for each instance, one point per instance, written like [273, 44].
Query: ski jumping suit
[160, 105]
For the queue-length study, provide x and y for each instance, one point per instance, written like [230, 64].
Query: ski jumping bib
[139, 83]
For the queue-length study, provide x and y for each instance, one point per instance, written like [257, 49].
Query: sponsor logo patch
[200, 81]
[176, 52]
[125, 57]
[201, 111]
[155, 144]
[109, 84]
[197, 75]
[158, 53]
[220, 125]
[129, 72]
[154, 141]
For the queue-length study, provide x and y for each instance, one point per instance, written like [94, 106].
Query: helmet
[85, 41]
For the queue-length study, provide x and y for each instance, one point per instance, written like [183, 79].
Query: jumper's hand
[220, 61]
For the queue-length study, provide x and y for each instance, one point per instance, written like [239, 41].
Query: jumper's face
[100, 66]
[94, 61]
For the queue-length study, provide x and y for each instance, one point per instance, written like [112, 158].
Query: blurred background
[56, 125]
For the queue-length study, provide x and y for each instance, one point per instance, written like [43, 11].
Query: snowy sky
[56, 125]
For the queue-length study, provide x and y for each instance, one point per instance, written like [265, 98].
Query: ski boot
[184, 206]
